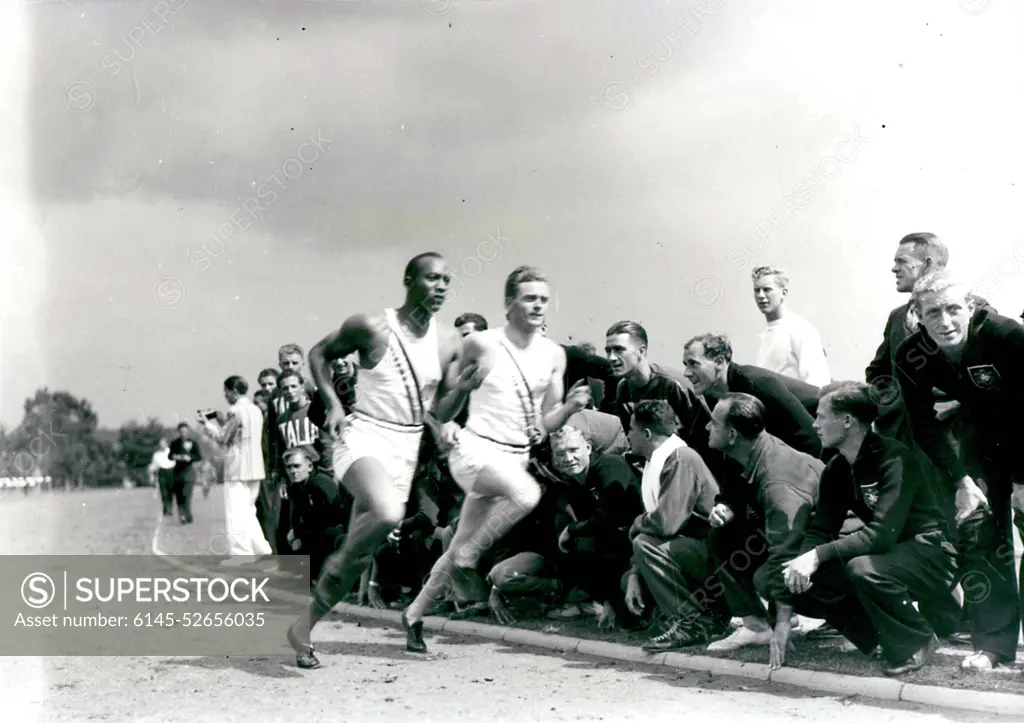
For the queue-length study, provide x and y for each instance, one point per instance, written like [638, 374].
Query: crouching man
[319, 509]
[865, 584]
[761, 516]
[670, 539]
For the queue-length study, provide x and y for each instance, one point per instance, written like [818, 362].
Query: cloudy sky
[645, 153]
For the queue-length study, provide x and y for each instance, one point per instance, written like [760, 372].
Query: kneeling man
[865, 584]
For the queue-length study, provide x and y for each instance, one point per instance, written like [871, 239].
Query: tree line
[60, 437]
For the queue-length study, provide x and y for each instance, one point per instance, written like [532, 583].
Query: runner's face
[946, 317]
[467, 329]
[624, 352]
[268, 384]
[829, 426]
[768, 294]
[291, 362]
[908, 266]
[701, 371]
[571, 456]
[529, 308]
[429, 288]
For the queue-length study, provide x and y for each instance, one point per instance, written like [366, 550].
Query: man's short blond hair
[778, 272]
[939, 282]
[567, 434]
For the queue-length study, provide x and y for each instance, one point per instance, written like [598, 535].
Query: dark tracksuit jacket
[789, 404]
[605, 504]
[887, 488]
[319, 513]
[775, 495]
[988, 385]
[987, 382]
[673, 387]
[881, 372]
[855, 587]
[580, 364]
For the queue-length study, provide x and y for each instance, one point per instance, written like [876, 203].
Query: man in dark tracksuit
[760, 518]
[975, 357]
[603, 497]
[640, 380]
[789, 404]
[319, 509]
[865, 583]
[893, 421]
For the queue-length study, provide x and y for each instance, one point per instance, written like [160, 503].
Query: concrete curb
[886, 689]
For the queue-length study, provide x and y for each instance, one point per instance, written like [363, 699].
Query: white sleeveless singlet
[508, 402]
[400, 389]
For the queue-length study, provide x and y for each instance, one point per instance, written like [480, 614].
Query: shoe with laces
[679, 634]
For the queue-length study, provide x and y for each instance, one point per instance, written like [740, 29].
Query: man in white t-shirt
[790, 345]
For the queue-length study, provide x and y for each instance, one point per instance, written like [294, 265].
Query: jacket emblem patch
[984, 376]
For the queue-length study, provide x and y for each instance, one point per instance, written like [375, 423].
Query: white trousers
[245, 536]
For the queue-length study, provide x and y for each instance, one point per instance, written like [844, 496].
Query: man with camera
[240, 436]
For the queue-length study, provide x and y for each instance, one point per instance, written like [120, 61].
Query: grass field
[124, 522]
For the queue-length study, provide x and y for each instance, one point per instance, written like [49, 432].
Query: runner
[512, 379]
[405, 359]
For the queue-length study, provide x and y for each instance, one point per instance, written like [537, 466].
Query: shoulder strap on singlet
[392, 318]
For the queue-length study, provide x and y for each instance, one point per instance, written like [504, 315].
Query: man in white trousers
[241, 438]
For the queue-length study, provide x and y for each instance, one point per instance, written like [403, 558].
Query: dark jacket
[776, 493]
[881, 372]
[789, 404]
[607, 502]
[319, 507]
[581, 364]
[988, 384]
[672, 387]
[887, 488]
[194, 454]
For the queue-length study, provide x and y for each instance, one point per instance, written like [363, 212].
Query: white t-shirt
[791, 346]
[162, 459]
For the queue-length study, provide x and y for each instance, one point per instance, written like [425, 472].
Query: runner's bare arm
[554, 412]
[355, 335]
[450, 366]
[460, 378]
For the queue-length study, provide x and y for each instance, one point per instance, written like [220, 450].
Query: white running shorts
[472, 453]
[397, 448]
